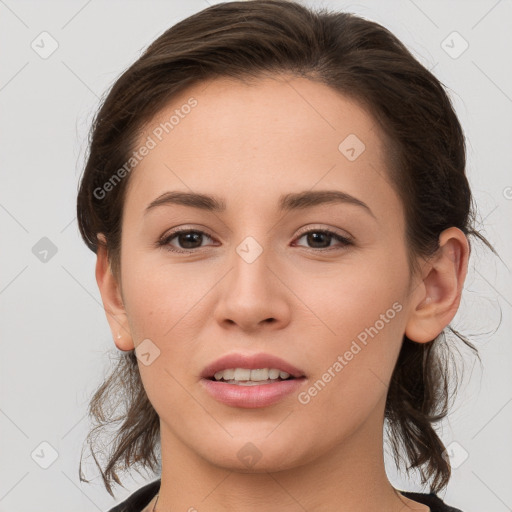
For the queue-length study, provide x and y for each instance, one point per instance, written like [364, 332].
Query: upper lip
[253, 361]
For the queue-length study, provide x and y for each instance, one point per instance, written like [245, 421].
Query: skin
[249, 144]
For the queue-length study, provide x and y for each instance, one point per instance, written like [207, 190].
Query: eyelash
[165, 241]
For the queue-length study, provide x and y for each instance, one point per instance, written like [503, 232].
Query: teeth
[245, 374]
[229, 374]
[259, 374]
[273, 373]
[242, 374]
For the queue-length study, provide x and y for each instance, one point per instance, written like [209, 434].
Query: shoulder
[139, 499]
[433, 501]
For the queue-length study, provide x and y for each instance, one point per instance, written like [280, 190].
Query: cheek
[161, 297]
[351, 374]
[353, 339]
[349, 298]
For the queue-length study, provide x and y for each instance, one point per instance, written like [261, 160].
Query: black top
[140, 499]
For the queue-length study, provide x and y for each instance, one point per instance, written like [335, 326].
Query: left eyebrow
[310, 198]
[287, 202]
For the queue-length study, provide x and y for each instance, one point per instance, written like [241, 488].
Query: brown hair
[358, 58]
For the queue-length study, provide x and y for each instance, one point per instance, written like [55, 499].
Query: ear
[112, 298]
[437, 299]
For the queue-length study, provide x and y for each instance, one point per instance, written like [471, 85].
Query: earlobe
[438, 297]
[112, 299]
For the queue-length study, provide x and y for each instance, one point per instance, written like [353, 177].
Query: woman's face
[263, 279]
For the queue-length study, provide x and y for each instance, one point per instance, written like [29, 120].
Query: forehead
[274, 134]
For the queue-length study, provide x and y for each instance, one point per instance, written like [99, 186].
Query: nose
[253, 295]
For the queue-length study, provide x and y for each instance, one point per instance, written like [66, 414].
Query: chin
[251, 456]
[263, 465]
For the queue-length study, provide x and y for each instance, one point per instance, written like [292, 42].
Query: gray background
[54, 334]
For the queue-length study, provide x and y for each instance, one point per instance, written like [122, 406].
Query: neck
[349, 478]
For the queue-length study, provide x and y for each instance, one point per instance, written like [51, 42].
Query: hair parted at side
[426, 149]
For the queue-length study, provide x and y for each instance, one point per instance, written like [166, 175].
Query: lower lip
[251, 397]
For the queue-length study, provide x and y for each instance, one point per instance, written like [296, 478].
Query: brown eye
[188, 240]
[321, 239]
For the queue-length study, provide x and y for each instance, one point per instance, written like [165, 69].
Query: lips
[255, 394]
[251, 362]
